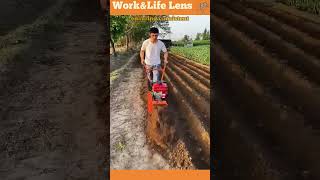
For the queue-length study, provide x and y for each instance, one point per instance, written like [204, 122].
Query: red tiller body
[158, 93]
[162, 88]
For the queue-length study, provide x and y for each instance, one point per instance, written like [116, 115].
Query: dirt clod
[179, 157]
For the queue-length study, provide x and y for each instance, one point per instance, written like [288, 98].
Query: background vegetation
[312, 6]
[124, 30]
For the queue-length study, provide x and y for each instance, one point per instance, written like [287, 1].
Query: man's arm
[142, 56]
[142, 51]
[166, 54]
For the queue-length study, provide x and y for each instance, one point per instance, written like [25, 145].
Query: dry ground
[51, 98]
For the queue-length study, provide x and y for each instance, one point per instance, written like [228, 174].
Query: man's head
[153, 33]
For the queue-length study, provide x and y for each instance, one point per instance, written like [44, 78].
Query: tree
[163, 25]
[117, 29]
[124, 26]
[137, 30]
[185, 39]
[198, 37]
[140, 30]
[205, 34]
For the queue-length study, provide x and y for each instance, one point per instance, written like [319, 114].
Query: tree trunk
[127, 42]
[113, 48]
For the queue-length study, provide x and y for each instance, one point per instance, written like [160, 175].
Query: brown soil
[201, 71]
[302, 24]
[174, 134]
[192, 119]
[179, 157]
[160, 140]
[116, 62]
[129, 147]
[169, 134]
[158, 130]
[194, 83]
[198, 102]
[306, 64]
[287, 33]
[15, 13]
[190, 62]
[286, 81]
[53, 107]
[266, 94]
[194, 74]
[258, 102]
[163, 133]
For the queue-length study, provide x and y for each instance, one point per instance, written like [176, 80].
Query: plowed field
[267, 93]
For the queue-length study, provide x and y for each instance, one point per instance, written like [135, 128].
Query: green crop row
[312, 6]
[200, 54]
[195, 43]
[201, 42]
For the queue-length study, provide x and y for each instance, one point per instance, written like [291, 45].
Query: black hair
[154, 30]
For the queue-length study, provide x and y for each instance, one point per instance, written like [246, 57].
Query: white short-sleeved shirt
[152, 51]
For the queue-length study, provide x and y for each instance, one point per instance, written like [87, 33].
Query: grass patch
[201, 42]
[120, 146]
[312, 6]
[18, 40]
[200, 54]
[114, 75]
[195, 43]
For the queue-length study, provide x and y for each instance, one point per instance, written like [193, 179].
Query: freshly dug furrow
[245, 156]
[194, 68]
[299, 23]
[203, 90]
[200, 104]
[266, 114]
[288, 33]
[196, 127]
[295, 57]
[196, 75]
[299, 93]
[190, 62]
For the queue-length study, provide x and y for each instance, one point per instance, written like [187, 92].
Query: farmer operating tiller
[150, 59]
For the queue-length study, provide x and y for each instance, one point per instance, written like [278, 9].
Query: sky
[196, 23]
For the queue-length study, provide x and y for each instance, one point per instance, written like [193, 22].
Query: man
[150, 54]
